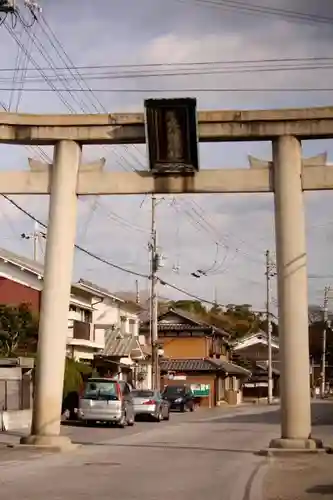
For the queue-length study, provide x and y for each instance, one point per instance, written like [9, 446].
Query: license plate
[99, 403]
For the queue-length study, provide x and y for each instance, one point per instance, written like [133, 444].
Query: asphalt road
[194, 456]
[89, 435]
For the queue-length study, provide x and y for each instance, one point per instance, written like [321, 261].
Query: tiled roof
[202, 364]
[192, 322]
[260, 335]
[38, 268]
[25, 262]
[182, 326]
[186, 365]
[194, 319]
[230, 368]
[97, 288]
[120, 345]
[275, 367]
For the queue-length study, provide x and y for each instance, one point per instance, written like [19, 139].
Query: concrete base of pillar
[52, 443]
[281, 446]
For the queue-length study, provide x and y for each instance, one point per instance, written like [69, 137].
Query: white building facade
[92, 311]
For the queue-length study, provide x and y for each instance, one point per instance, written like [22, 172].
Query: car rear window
[101, 389]
[174, 390]
[142, 394]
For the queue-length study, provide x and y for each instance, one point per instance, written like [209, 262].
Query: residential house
[253, 349]
[117, 319]
[93, 311]
[196, 353]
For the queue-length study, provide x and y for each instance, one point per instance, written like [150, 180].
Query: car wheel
[192, 407]
[159, 417]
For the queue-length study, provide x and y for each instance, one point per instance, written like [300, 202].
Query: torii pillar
[53, 321]
[292, 278]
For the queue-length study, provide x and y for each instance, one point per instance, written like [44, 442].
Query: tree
[191, 306]
[238, 320]
[18, 329]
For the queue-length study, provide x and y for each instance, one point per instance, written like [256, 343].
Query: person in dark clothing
[70, 404]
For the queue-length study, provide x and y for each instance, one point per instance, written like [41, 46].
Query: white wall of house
[80, 352]
[79, 309]
[114, 312]
[84, 306]
[19, 275]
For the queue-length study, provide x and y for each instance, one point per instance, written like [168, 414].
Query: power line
[42, 50]
[111, 264]
[161, 90]
[55, 43]
[255, 9]
[167, 73]
[78, 247]
[229, 62]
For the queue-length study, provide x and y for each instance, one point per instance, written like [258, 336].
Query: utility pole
[269, 274]
[323, 355]
[35, 240]
[154, 258]
[137, 292]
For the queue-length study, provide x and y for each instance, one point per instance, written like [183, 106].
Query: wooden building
[197, 354]
[252, 351]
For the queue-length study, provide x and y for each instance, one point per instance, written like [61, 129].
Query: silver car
[106, 400]
[151, 404]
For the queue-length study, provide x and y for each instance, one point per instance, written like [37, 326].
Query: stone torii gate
[66, 179]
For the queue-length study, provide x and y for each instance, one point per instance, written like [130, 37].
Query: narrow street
[206, 454]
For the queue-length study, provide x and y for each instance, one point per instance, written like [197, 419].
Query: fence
[15, 394]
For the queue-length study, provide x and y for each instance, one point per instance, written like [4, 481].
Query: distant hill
[144, 297]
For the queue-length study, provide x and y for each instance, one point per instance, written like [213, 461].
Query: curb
[254, 490]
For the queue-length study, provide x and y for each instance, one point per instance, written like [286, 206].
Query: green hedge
[75, 372]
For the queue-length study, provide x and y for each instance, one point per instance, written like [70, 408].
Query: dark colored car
[180, 397]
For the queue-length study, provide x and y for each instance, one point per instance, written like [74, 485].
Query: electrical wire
[36, 65]
[184, 64]
[227, 260]
[55, 43]
[47, 79]
[179, 73]
[53, 64]
[255, 9]
[177, 287]
[111, 264]
[168, 90]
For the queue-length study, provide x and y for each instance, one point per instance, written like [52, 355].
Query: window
[72, 308]
[123, 321]
[101, 390]
[131, 326]
[143, 394]
[86, 316]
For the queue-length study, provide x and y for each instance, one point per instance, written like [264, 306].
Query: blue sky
[227, 234]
